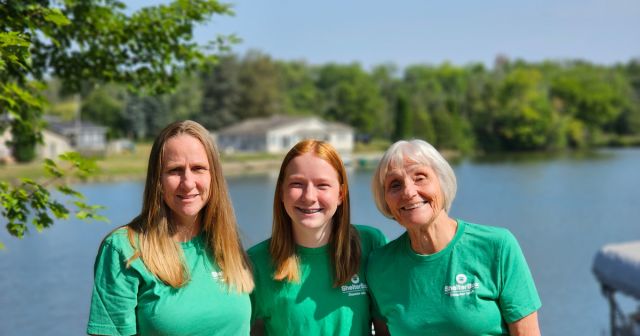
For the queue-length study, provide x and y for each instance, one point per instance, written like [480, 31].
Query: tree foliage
[84, 44]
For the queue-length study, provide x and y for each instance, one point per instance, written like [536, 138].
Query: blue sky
[408, 32]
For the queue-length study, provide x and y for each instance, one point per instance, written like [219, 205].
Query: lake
[562, 209]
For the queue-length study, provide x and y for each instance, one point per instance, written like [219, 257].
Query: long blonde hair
[150, 232]
[344, 240]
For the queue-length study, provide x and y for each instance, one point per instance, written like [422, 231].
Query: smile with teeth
[309, 211]
[413, 206]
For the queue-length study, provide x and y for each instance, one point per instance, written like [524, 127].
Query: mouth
[413, 206]
[188, 197]
[309, 211]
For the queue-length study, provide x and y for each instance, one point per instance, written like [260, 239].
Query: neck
[433, 237]
[312, 237]
[185, 231]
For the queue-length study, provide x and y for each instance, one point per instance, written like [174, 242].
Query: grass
[126, 165]
[133, 165]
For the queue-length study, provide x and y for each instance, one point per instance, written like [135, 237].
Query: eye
[200, 168]
[173, 171]
[295, 184]
[394, 185]
[324, 186]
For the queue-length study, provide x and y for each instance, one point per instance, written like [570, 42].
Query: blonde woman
[178, 268]
[310, 275]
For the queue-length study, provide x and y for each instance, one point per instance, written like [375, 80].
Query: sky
[406, 32]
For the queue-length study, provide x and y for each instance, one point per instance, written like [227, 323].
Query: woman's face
[185, 178]
[311, 193]
[413, 194]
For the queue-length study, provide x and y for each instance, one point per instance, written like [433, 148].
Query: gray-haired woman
[444, 276]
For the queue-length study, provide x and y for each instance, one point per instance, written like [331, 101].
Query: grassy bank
[133, 166]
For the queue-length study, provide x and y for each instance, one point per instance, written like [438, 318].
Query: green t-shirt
[313, 306]
[131, 300]
[474, 286]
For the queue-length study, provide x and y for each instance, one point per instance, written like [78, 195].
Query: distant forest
[512, 106]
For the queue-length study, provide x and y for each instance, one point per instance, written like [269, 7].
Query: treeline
[514, 105]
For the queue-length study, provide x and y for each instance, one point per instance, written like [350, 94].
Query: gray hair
[418, 151]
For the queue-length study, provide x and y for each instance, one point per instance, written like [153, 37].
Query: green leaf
[59, 210]
[68, 191]
[56, 17]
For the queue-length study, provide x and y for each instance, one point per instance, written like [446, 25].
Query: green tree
[402, 119]
[81, 42]
[105, 106]
[525, 117]
[350, 96]
[220, 93]
[260, 94]
[301, 97]
[594, 96]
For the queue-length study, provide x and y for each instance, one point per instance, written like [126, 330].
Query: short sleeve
[370, 238]
[518, 294]
[380, 239]
[114, 297]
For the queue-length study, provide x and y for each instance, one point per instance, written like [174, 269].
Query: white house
[84, 137]
[53, 144]
[278, 133]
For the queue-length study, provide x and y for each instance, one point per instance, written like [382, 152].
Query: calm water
[562, 210]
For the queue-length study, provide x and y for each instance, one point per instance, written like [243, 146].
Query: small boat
[617, 268]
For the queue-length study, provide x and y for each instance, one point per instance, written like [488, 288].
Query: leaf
[59, 210]
[68, 191]
[56, 17]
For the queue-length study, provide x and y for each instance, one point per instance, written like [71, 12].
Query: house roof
[262, 125]
[67, 127]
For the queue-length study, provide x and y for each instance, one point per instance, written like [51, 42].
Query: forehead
[311, 166]
[406, 166]
[184, 147]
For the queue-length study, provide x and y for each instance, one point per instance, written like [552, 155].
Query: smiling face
[413, 194]
[186, 178]
[311, 194]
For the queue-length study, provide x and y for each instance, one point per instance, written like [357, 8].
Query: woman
[178, 268]
[310, 275]
[444, 276]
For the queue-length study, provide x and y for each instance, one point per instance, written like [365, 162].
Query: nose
[309, 193]
[409, 190]
[188, 180]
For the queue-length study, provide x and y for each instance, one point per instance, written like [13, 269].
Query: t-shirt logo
[355, 288]
[461, 288]
[218, 276]
[355, 279]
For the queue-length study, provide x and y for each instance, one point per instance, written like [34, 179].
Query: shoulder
[370, 237]
[490, 239]
[118, 241]
[259, 250]
[486, 232]
[368, 231]
[389, 251]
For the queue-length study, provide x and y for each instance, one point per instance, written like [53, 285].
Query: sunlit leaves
[30, 200]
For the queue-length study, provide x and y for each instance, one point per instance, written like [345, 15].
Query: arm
[114, 297]
[526, 326]
[380, 328]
